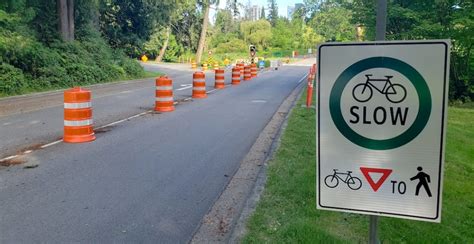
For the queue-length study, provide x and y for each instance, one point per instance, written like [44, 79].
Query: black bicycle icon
[363, 92]
[352, 182]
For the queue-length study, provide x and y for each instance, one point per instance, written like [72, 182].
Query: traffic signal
[253, 48]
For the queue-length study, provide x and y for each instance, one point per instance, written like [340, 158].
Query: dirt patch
[30, 148]
[11, 162]
[104, 129]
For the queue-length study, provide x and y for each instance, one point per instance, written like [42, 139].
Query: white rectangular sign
[381, 126]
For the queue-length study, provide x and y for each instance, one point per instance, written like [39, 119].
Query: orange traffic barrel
[247, 74]
[204, 67]
[164, 94]
[219, 79]
[199, 85]
[253, 70]
[193, 65]
[235, 75]
[241, 68]
[78, 124]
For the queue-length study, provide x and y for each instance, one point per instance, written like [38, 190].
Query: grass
[287, 211]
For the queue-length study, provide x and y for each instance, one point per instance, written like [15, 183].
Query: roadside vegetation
[33, 57]
[46, 44]
[287, 210]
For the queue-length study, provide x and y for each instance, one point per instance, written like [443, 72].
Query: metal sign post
[381, 26]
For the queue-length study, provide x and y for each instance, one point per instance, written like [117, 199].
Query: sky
[282, 5]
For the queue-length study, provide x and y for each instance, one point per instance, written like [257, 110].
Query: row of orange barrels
[78, 123]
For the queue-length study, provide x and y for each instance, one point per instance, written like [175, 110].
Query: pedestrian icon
[424, 179]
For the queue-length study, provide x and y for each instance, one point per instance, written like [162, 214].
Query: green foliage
[233, 45]
[12, 80]
[129, 24]
[334, 23]
[420, 20]
[272, 12]
[267, 63]
[257, 33]
[29, 65]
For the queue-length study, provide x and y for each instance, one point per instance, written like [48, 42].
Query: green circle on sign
[422, 89]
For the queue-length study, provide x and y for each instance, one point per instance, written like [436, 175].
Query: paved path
[150, 179]
[32, 120]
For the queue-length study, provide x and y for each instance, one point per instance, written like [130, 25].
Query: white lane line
[7, 123]
[128, 91]
[27, 151]
[185, 87]
[303, 78]
[187, 99]
[8, 158]
[174, 103]
[51, 144]
[123, 120]
[211, 91]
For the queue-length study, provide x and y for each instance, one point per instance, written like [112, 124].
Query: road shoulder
[225, 220]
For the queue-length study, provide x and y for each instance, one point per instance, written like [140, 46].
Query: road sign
[381, 127]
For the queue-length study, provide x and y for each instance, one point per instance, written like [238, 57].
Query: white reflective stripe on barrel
[78, 122]
[236, 73]
[164, 88]
[164, 99]
[199, 80]
[77, 105]
[199, 88]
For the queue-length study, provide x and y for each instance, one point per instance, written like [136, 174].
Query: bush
[29, 64]
[131, 67]
[267, 63]
[12, 80]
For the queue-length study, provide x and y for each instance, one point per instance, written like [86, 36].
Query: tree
[440, 19]
[334, 23]
[206, 4]
[272, 12]
[262, 13]
[257, 33]
[233, 6]
[66, 19]
[129, 24]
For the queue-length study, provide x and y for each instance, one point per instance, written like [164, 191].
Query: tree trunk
[165, 45]
[202, 39]
[70, 17]
[66, 19]
[63, 19]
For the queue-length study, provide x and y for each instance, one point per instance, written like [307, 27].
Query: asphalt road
[28, 121]
[150, 179]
